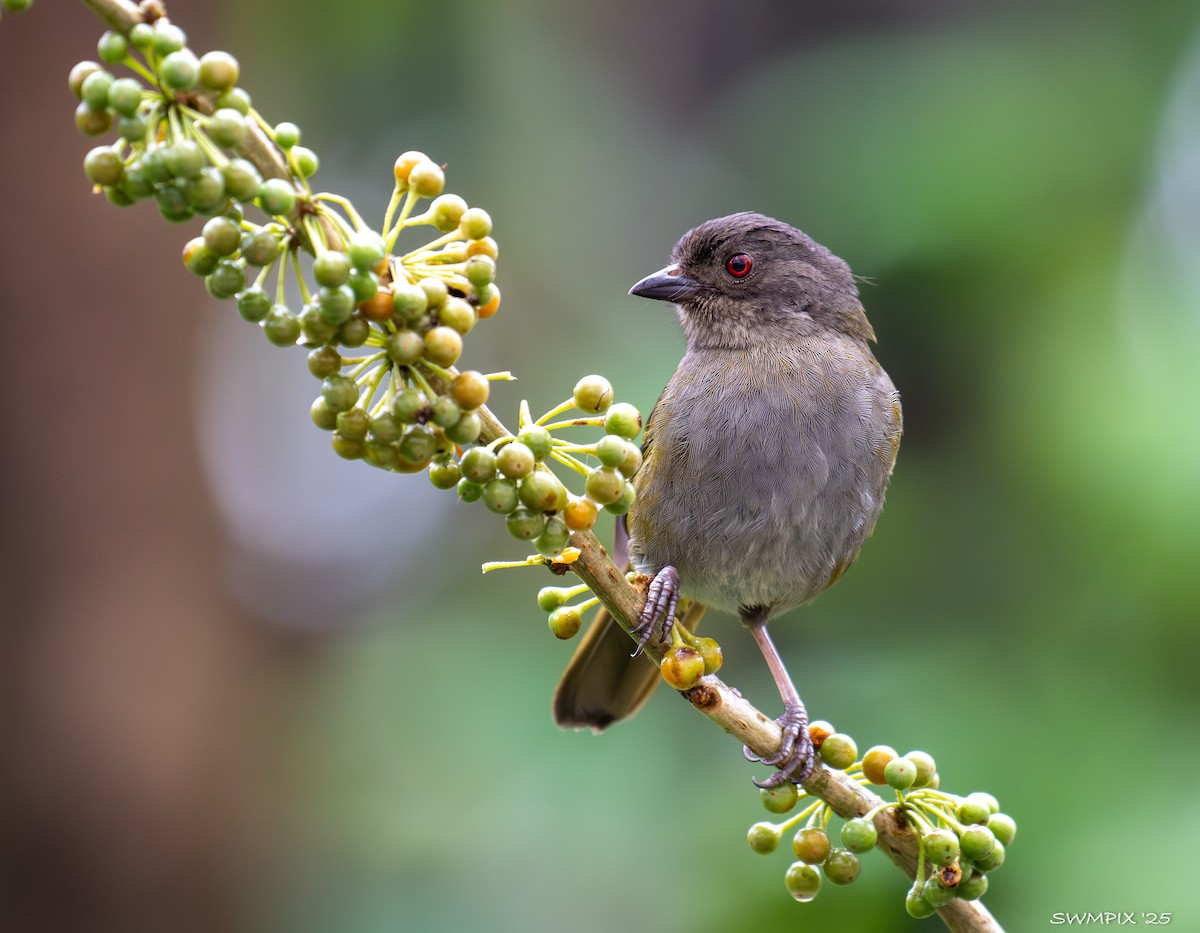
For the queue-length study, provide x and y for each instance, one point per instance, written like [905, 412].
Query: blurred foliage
[1026, 609]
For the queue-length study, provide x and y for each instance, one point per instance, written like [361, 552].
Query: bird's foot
[795, 759]
[658, 615]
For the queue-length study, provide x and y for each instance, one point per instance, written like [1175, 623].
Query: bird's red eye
[739, 265]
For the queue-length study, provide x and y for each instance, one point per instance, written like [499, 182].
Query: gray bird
[766, 459]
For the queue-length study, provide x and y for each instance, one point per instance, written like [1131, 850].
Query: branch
[762, 735]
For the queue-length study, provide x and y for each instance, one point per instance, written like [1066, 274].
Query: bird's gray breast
[766, 471]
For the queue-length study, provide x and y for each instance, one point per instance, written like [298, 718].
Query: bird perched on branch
[766, 459]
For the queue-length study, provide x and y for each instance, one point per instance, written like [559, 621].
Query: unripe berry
[763, 838]
[682, 667]
[565, 622]
[839, 751]
[779, 799]
[593, 394]
[803, 881]
[875, 760]
[811, 845]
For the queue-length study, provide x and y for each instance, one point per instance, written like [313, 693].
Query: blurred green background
[249, 686]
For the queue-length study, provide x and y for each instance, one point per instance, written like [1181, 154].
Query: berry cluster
[383, 327]
[961, 839]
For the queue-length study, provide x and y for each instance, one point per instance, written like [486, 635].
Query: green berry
[304, 160]
[141, 36]
[467, 429]
[132, 128]
[417, 447]
[383, 456]
[92, 122]
[347, 447]
[604, 485]
[712, 654]
[254, 304]
[874, 762]
[242, 181]
[458, 315]
[112, 47]
[409, 302]
[446, 211]
[938, 895]
[354, 332]
[286, 135]
[468, 491]
[811, 845]
[261, 247]
[322, 415]
[537, 439]
[444, 475]
[611, 450]
[593, 394]
[926, 767]
[803, 882]
[365, 284]
[404, 346]
[227, 279]
[198, 258]
[443, 346]
[515, 460]
[168, 37]
[385, 428]
[205, 193]
[900, 773]
[842, 866]
[435, 291]
[277, 197]
[475, 224]
[973, 809]
[366, 249]
[525, 524]
[222, 235]
[125, 96]
[480, 270]
[95, 89]
[79, 74]
[316, 329]
[183, 159]
[238, 99]
[410, 406]
[218, 70]
[565, 622]
[983, 797]
[859, 835]
[281, 326]
[179, 70]
[478, 465]
[623, 419]
[1003, 827]
[331, 268]
[977, 842]
[339, 392]
[172, 204]
[682, 667]
[336, 304]
[916, 905]
[426, 179]
[542, 492]
[623, 502]
[839, 751]
[353, 424]
[500, 496]
[972, 888]
[550, 598]
[444, 411]
[554, 537]
[763, 838]
[227, 127]
[993, 860]
[323, 361]
[103, 166]
[941, 846]
[779, 799]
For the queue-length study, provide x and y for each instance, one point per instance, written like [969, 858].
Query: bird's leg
[659, 612]
[795, 759]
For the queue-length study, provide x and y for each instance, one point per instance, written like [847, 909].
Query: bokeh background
[248, 686]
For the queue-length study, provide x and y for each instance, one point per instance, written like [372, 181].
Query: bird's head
[746, 280]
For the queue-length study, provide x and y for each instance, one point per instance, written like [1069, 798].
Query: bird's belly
[764, 512]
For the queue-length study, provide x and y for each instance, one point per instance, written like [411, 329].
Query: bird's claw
[795, 759]
[659, 612]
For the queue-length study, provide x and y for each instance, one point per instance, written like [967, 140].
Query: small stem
[556, 410]
[574, 423]
[569, 461]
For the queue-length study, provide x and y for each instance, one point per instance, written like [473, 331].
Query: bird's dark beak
[667, 284]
